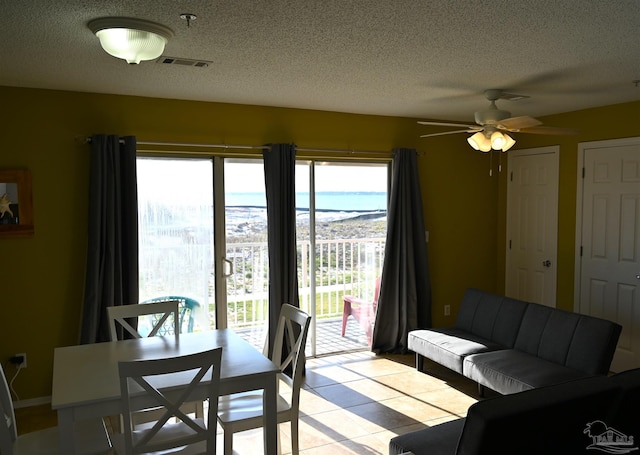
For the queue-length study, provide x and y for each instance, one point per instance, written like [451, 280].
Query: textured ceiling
[420, 58]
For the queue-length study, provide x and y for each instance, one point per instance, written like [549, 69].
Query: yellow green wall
[42, 276]
[460, 207]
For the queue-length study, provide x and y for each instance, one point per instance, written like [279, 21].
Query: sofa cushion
[508, 321]
[448, 346]
[440, 439]
[593, 345]
[581, 342]
[468, 308]
[511, 371]
[532, 327]
[490, 316]
[484, 318]
[557, 336]
[541, 421]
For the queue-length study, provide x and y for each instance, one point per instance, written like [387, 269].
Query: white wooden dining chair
[166, 310]
[91, 435]
[141, 385]
[244, 411]
[162, 314]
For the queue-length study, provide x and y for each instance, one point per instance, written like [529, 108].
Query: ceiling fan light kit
[495, 141]
[131, 39]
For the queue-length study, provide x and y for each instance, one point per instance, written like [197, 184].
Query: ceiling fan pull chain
[490, 163]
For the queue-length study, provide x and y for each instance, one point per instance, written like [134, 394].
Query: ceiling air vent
[183, 62]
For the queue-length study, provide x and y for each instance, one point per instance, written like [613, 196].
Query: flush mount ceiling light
[131, 39]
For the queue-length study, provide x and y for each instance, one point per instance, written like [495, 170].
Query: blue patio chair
[186, 306]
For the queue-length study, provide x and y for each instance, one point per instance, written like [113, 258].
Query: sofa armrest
[439, 439]
[545, 420]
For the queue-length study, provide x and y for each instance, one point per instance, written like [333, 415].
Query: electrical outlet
[19, 360]
[447, 310]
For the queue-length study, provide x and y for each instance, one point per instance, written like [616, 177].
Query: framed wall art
[16, 209]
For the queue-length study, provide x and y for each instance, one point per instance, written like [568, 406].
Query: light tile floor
[355, 403]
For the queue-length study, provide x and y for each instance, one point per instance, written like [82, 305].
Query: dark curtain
[112, 252]
[405, 291]
[279, 176]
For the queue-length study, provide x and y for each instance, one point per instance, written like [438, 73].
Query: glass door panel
[341, 229]
[175, 219]
[246, 249]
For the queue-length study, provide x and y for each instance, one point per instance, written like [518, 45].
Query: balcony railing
[173, 265]
[346, 266]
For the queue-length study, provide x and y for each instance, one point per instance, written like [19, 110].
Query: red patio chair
[363, 311]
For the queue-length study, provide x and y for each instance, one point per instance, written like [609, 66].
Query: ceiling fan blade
[518, 123]
[513, 96]
[550, 130]
[446, 124]
[494, 94]
[451, 132]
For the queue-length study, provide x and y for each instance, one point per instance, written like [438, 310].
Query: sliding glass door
[203, 237]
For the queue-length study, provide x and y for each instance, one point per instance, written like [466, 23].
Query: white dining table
[86, 382]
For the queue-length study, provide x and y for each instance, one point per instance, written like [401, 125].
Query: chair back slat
[291, 332]
[138, 392]
[186, 307]
[119, 315]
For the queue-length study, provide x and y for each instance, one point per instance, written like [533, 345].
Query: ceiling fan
[493, 125]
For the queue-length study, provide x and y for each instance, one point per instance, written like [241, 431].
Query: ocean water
[330, 201]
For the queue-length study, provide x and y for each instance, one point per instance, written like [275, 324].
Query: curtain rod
[185, 144]
[219, 146]
[256, 147]
[368, 152]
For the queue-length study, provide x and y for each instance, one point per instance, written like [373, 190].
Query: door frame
[582, 147]
[548, 150]
[219, 243]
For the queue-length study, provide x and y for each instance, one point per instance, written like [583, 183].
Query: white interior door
[532, 220]
[609, 267]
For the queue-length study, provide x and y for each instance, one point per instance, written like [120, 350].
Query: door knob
[547, 263]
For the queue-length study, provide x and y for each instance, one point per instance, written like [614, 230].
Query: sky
[247, 177]
[173, 180]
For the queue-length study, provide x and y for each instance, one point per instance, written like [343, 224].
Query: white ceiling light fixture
[508, 142]
[131, 39]
[497, 140]
[478, 141]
